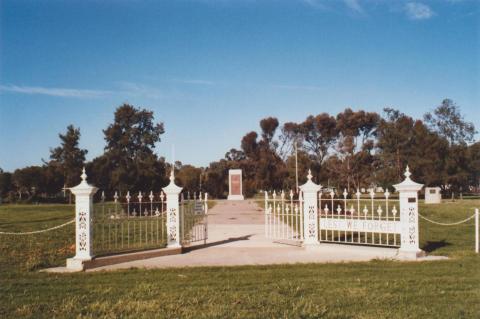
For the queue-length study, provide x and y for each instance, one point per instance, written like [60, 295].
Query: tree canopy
[351, 149]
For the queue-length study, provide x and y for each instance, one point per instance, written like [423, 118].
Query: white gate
[360, 218]
[365, 218]
[284, 218]
[193, 219]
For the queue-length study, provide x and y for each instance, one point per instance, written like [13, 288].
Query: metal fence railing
[129, 223]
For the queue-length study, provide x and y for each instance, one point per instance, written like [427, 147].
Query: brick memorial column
[235, 185]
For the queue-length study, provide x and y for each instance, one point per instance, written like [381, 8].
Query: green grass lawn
[377, 289]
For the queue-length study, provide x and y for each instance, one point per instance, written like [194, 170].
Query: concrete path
[236, 237]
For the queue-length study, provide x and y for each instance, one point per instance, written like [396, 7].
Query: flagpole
[296, 164]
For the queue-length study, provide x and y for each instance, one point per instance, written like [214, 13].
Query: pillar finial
[407, 172]
[309, 176]
[84, 175]
[172, 174]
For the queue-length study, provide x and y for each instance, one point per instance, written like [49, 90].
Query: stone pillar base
[76, 264]
[410, 255]
[235, 197]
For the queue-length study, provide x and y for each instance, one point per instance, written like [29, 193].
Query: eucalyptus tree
[447, 121]
[355, 145]
[315, 137]
[394, 136]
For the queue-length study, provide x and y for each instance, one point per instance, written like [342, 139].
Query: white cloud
[136, 89]
[354, 5]
[61, 92]
[418, 11]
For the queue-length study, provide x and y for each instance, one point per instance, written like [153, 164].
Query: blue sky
[210, 70]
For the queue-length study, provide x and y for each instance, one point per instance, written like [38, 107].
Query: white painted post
[310, 211]
[83, 230]
[408, 190]
[206, 203]
[173, 213]
[477, 235]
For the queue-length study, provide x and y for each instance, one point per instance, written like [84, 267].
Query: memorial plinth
[235, 186]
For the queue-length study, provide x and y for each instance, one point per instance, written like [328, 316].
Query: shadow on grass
[434, 245]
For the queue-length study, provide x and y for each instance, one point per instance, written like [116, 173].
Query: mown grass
[377, 289]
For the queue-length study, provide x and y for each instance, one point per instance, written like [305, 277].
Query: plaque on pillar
[235, 184]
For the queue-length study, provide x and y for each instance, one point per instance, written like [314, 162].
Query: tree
[402, 141]
[68, 157]
[355, 143]
[235, 155]
[29, 180]
[394, 136]
[269, 126]
[457, 169]
[427, 156]
[5, 183]
[189, 178]
[316, 135]
[133, 132]
[130, 161]
[449, 123]
[320, 133]
[250, 146]
[216, 179]
[474, 161]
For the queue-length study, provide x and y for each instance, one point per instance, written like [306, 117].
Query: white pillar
[310, 211]
[408, 191]
[83, 217]
[173, 212]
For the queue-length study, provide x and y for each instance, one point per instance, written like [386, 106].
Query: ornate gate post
[310, 211]
[173, 212]
[408, 191]
[83, 217]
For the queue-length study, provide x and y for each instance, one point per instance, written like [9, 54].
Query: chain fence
[38, 231]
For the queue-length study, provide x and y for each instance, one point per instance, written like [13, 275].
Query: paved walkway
[236, 237]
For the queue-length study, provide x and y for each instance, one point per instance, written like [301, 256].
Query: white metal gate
[193, 219]
[284, 218]
[372, 217]
[361, 218]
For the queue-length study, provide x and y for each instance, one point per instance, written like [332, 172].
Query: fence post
[477, 235]
[408, 191]
[310, 211]
[173, 213]
[83, 228]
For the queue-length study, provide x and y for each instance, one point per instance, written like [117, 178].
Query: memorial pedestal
[235, 186]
